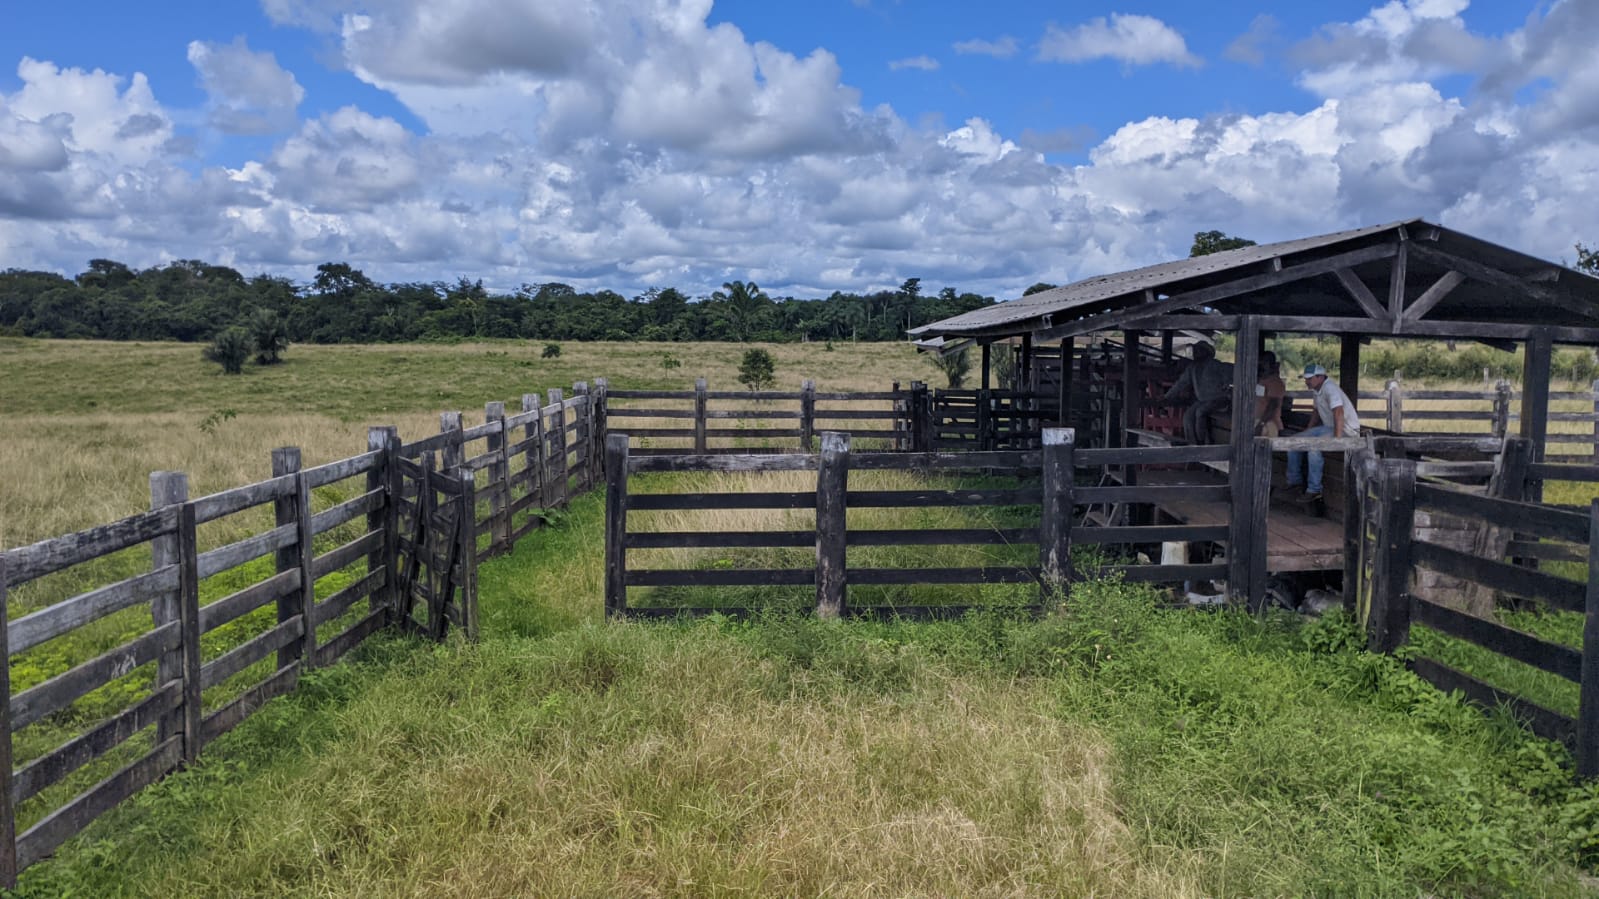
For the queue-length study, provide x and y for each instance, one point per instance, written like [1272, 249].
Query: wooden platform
[1296, 541]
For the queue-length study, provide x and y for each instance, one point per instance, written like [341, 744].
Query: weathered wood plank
[331, 608]
[1512, 579]
[55, 694]
[53, 621]
[49, 769]
[1523, 647]
[832, 504]
[235, 554]
[920, 498]
[642, 502]
[214, 615]
[944, 537]
[973, 461]
[722, 462]
[229, 716]
[638, 412]
[189, 629]
[350, 638]
[994, 575]
[717, 539]
[754, 414]
[1588, 681]
[333, 472]
[1525, 518]
[248, 653]
[328, 519]
[1546, 723]
[8, 809]
[227, 502]
[60, 825]
[347, 554]
[26, 563]
[1164, 533]
[738, 577]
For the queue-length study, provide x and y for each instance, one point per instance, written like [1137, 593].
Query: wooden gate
[435, 559]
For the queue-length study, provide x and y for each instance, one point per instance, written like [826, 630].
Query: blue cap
[1312, 370]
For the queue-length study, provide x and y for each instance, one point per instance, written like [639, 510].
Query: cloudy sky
[809, 146]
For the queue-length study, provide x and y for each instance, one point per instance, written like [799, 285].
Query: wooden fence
[1058, 461]
[407, 542]
[991, 419]
[1492, 411]
[1401, 546]
[746, 421]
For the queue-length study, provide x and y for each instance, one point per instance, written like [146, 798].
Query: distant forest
[190, 300]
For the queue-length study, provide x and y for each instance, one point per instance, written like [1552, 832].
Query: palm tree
[269, 336]
[745, 303]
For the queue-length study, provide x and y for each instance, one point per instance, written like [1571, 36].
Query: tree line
[191, 300]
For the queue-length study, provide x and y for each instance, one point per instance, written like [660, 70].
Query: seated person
[1333, 416]
[1269, 394]
[1210, 383]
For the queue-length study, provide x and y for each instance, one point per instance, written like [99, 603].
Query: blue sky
[838, 144]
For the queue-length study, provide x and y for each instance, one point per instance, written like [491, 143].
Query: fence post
[1055, 516]
[1259, 522]
[533, 435]
[929, 424]
[168, 488]
[296, 510]
[1396, 405]
[499, 485]
[1501, 419]
[899, 426]
[1596, 420]
[454, 453]
[985, 419]
[602, 426]
[189, 618]
[1354, 526]
[468, 553]
[832, 482]
[556, 453]
[1388, 626]
[807, 415]
[700, 445]
[585, 433]
[616, 525]
[1588, 709]
[383, 476]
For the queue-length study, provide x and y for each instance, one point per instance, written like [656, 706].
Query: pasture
[1113, 748]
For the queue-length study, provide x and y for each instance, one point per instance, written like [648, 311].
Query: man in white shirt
[1334, 416]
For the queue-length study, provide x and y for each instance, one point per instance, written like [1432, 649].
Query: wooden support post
[167, 488]
[454, 452]
[584, 435]
[295, 509]
[927, 427]
[700, 402]
[616, 525]
[1260, 520]
[499, 479]
[1167, 352]
[1349, 367]
[987, 365]
[1396, 285]
[466, 533]
[1055, 515]
[1596, 421]
[384, 476]
[1588, 707]
[1396, 405]
[1241, 535]
[900, 425]
[601, 426]
[808, 415]
[556, 453]
[1132, 383]
[1064, 407]
[1388, 626]
[189, 626]
[832, 482]
[8, 811]
[1501, 415]
[1535, 374]
[533, 433]
[1354, 528]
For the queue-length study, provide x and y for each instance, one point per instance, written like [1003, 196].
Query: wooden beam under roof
[1362, 294]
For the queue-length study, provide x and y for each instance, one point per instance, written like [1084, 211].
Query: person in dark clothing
[1209, 381]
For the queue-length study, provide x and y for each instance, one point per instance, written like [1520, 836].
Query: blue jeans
[1296, 461]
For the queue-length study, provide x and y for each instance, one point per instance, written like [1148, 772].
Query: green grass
[1113, 748]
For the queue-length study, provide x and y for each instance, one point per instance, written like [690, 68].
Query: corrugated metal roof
[1135, 281]
[1575, 302]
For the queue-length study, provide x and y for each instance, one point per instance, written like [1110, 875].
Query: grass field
[1113, 748]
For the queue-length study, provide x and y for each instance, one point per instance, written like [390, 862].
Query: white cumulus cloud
[249, 92]
[1132, 39]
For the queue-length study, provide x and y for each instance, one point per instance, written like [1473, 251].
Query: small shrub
[230, 349]
[669, 361]
[269, 335]
[757, 371]
[551, 351]
[210, 423]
